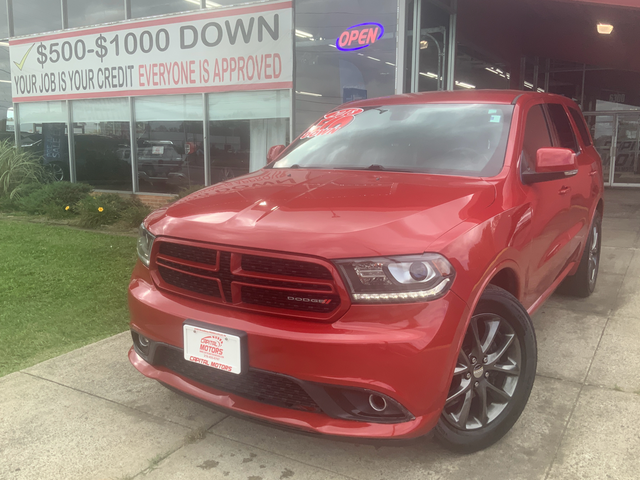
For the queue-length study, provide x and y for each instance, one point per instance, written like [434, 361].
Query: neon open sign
[359, 36]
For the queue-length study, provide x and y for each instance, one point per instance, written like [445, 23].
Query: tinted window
[562, 125]
[36, 16]
[536, 135]
[467, 140]
[582, 128]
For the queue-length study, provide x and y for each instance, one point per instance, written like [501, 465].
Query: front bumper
[404, 352]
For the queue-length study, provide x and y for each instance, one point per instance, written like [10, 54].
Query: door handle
[564, 190]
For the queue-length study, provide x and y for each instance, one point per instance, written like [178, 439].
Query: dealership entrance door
[617, 135]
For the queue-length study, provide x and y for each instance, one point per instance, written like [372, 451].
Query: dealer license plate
[213, 349]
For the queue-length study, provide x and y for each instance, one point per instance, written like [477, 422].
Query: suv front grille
[257, 385]
[282, 286]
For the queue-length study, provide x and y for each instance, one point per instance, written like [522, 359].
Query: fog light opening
[378, 403]
[144, 341]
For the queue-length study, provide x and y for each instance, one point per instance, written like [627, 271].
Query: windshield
[446, 139]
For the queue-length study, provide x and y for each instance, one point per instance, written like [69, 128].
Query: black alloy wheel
[493, 375]
[486, 375]
[583, 283]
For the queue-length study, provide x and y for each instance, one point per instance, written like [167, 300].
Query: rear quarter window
[582, 127]
[562, 126]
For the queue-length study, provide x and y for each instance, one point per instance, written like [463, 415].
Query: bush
[18, 169]
[109, 208]
[188, 191]
[53, 199]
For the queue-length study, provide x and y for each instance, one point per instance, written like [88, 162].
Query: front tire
[493, 376]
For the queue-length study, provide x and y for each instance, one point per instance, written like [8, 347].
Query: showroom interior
[160, 144]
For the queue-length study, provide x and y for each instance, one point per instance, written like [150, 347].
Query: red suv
[376, 279]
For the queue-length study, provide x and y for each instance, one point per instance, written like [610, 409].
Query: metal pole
[401, 35]
[10, 17]
[547, 74]
[127, 9]
[523, 72]
[415, 46]
[16, 125]
[206, 142]
[63, 10]
[584, 76]
[292, 92]
[536, 73]
[614, 149]
[133, 156]
[71, 144]
[453, 34]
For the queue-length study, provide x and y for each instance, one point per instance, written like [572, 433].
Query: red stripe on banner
[155, 22]
[162, 91]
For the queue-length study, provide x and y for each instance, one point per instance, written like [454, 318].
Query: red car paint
[524, 238]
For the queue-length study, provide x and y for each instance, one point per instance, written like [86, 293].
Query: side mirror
[552, 164]
[274, 152]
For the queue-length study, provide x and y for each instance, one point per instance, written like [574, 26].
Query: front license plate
[213, 349]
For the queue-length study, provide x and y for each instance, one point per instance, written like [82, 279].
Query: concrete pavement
[89, 415]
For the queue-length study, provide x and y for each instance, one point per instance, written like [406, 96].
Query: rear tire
[493, 376]
[583, 282]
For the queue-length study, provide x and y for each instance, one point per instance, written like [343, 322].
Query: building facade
[151, 97]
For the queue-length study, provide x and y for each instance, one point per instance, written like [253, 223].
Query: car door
[578, 187]
[550, 210]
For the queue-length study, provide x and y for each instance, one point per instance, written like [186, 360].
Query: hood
[326, 213]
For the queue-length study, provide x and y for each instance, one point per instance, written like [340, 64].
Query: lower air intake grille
[257, 385]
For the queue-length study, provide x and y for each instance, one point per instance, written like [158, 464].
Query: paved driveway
[90, 415]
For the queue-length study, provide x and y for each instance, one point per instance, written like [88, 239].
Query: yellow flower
[100, 209]
[67, 207]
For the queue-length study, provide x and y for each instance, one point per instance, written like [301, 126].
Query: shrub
[18, 168]
[188, 191]
[54, 198]
[109, 208]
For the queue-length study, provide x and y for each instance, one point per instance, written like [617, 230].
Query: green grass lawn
[60, 288]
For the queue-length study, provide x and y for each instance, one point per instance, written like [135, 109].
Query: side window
[582, 127]
[560, 122]
[536, 135]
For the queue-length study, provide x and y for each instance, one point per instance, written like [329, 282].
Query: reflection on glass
[103, 154]
[149, 8]
[81, 13]
[36, 16]
[170, 155]
[6, 105]
[627, 166]
[601, 127]
[230, 149]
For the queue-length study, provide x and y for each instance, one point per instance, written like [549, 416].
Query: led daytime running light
[402, 296]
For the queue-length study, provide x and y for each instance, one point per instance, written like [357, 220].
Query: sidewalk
[89, 415]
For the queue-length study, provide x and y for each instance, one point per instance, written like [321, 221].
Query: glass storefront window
[169, 141]
[81, 13]
[150, 8]
[36, 16]
[43, 130]
[327, 76]
[242, 128]
[102, 143]
[6, 107]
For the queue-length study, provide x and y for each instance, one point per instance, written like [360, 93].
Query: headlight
[145, 242]
[410, 278]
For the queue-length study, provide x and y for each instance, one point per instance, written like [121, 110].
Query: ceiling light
[605, 28]
[5, 81]
[424, 44]
[374, 58]
[309, 93]
[303, 34]
[465, 85]
[4, 44]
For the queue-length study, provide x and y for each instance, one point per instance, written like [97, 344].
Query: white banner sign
[243, 48]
